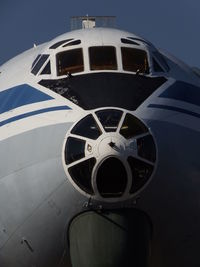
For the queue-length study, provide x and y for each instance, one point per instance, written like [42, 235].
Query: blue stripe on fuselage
[32, 113]
[183, 92]
[171, 108]
[20, 95]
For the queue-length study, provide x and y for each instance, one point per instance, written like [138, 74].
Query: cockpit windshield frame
[125, 58]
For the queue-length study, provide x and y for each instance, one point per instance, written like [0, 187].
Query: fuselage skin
[37, 200]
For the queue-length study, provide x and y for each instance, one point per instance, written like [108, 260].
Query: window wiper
[69, 75]
[140, 72]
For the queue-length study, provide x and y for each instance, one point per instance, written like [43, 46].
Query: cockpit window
[35, 61]
[156, 66]
[161, 59]
[56, 45]
[76, 42]
[140, 40]
[39, 64]
[134, 60]
[47, 69]
[70, 61]
[103, 58]
[126, 41]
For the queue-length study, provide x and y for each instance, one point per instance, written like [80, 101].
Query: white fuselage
[37, 198]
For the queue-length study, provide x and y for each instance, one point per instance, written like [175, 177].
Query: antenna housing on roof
[85, 22]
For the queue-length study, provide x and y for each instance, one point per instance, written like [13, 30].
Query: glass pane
[134, 60]
[39, 64]
[76, 42]
[70, 61]
[162, 60]
[56, 45]
[74, 150]
[132, 127]
[109, 119]
[103, 58]
[87, 127]
[82, 174]
[141, 172]
[47, 69]
[156, 66]
[36, 60]
[146, 148]
[126, 41]
[140, 40]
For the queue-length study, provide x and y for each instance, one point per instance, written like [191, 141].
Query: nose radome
[109, 155]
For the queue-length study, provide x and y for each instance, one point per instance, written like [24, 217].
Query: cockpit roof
[100, 36]
[128, 48]
[160, 63]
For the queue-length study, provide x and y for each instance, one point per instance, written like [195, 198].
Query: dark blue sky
[172, 25]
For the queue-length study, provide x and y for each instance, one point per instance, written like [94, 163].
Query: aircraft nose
[109, 155]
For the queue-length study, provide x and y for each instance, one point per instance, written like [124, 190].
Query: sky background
[172, 25]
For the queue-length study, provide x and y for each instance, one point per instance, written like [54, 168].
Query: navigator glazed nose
[109, 154]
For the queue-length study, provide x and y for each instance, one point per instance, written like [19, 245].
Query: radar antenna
[85, 22]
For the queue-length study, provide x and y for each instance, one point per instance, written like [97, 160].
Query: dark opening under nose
[111, 178]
